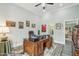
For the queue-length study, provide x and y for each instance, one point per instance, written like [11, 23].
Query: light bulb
[61, 4]
[43, 4]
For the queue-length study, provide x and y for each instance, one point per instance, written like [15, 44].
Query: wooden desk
[36, 48]
[76, 53]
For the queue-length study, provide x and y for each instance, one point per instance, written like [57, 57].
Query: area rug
[55, 50]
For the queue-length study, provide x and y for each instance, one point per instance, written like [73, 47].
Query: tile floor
[67, 51]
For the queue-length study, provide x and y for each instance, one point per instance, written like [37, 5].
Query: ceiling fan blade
[37, 4]
[50, 3]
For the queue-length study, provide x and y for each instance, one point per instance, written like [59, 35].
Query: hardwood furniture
[36, 48]
[76, 53]
[75, 39]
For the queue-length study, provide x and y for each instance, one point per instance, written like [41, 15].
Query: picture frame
[10, 24]
[43, 28]
[21, 25]
[52, 32]
[33, 25]
[27, 23]
[59, 26]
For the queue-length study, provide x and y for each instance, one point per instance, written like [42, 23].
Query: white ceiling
[39, 10]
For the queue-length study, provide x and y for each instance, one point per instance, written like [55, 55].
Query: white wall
[60, 16]
[16, 13]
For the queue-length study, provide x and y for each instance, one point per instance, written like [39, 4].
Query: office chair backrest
[31, 32]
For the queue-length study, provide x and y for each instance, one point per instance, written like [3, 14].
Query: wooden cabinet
[76, 53]
[28, 47]
[36, 48]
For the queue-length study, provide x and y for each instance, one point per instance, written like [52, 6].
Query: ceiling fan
[43, 4]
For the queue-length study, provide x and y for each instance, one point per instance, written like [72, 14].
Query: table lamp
[3, 31]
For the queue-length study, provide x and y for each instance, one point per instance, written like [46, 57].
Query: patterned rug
[55, 50]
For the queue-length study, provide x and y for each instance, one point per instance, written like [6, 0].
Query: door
[68, 28]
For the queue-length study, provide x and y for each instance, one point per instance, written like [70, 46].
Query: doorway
[68, 37]
[68, 29]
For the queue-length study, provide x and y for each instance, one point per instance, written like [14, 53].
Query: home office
[36, 29]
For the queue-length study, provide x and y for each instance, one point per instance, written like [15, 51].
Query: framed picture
[10, 24]
[43, 28]
[27, 23]
[33, 25]
[21, 25]
[58, 26]
[52, 32]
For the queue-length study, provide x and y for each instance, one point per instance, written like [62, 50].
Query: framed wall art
[27, 23]
[52, 32]
[21, 25]
[43, 28]
[10, 24]
[33, 25]
[58, 26]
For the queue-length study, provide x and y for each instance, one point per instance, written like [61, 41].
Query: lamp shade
[1, 30]
[4, 29]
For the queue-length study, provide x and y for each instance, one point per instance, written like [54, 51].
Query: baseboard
[68, 39]
[19, 44]
[59, 42]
